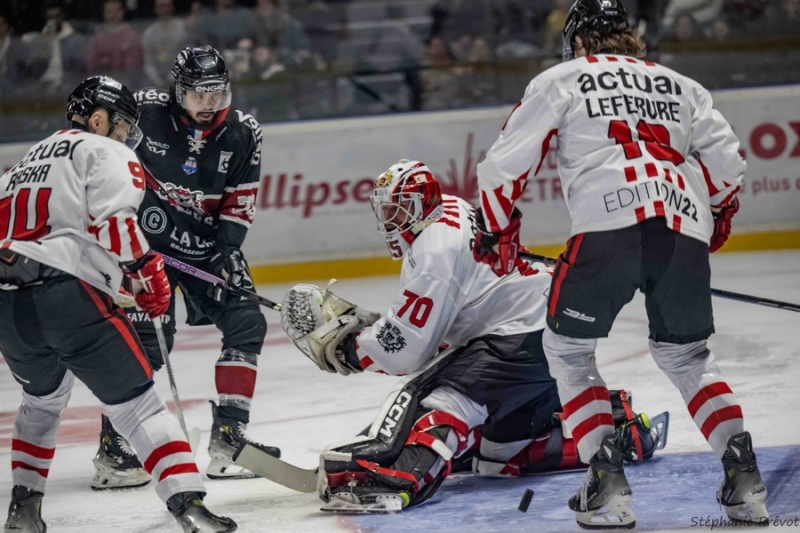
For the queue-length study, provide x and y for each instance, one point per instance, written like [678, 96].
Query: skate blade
[612, 517]
[753, 511]
[223, 469]
[106, 478]
[384, 504]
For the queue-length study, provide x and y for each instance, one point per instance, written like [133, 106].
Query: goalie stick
[719, 293]
[211, 278]
[273, 469]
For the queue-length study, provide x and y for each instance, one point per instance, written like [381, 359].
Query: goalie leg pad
[423, 464]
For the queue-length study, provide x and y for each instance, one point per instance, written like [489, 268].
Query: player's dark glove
[498, 249]
[150, 283]
[722, 224]
[231, 266]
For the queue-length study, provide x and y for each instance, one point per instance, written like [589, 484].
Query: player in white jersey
[495, 370]
[68, 234]
[650, 172]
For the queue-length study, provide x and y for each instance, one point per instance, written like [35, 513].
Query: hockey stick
[192, 436]
[719, 293]
[211, 278]
[271, 468]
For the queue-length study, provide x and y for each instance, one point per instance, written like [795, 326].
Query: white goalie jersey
[71, 204]
[445, 296]
[636, 140]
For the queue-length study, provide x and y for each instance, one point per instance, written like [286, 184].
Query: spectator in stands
[280, 33]
[116, 48]
[782, 18]
[225, 26]
[685, 28]
[455, 18]
[162, 41]
[554, 25]
[12, 59]
[479, 76]
[442, 80]
[325, 23]
[703, 11]
[720, 30]
[56, 54]
[514, 36]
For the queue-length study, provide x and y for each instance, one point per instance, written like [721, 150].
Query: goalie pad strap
[637, 441]
[440, 418]
[377, 469]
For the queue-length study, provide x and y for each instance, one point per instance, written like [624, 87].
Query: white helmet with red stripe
[406, 200]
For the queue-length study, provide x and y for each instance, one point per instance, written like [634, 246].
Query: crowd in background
[292, 59]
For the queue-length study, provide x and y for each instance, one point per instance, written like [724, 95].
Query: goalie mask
[406, 200]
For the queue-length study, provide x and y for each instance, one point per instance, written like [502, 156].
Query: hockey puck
[527, 496]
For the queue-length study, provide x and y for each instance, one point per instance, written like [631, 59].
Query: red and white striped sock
[235, 377]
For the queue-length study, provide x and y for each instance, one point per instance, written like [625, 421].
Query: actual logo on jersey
[224, 159]
[390, 338]
[154, 220]
[190, 166]
[157, 147]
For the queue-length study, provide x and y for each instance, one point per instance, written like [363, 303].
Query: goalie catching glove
[319, 322]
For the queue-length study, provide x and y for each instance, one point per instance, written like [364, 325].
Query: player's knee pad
[682, 362]
[55, 402]
[244, 328]
[567, 355]
[128, 415]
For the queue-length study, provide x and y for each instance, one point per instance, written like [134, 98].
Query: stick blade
[275, 470]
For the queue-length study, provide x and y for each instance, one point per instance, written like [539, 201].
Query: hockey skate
[366, 499]
[192, 515]
[603, 501]
[743, 493]
[227, 436]
[116, 465]
[25, 512]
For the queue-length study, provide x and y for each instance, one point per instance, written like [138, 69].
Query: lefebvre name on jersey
[22, 173]
[611, 106]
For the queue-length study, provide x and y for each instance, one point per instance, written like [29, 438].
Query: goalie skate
[377, 503]
[603, 501]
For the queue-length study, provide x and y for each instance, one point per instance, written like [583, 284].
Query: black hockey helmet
[589, 16]
[111, 95]
[202, 71]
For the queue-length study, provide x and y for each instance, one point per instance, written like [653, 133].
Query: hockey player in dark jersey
[202, 160]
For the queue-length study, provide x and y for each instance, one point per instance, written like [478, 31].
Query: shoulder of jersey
[242, 123]
[446, 233]
[92, 140]
[148, 97]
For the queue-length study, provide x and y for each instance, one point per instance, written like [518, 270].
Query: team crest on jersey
[390, 338]
[224, 159]
[190, 166]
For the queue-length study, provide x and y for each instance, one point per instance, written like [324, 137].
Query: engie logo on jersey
[224, 158]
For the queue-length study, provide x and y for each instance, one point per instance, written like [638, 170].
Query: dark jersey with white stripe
[202, 184]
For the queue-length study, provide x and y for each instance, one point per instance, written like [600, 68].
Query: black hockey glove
[231, 266]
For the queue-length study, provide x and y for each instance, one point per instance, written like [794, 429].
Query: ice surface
[301, 409]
